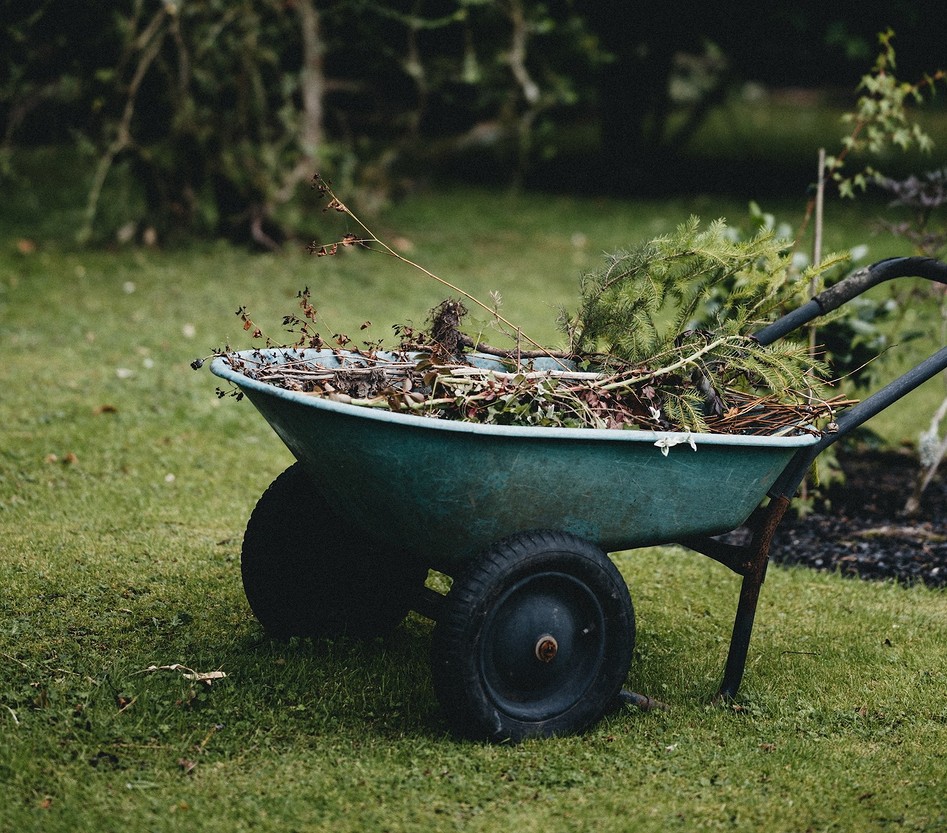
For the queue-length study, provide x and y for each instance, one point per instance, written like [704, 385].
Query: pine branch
[682, 306]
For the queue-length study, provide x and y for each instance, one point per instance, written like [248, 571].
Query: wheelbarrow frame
[761, 518]
[750, 560]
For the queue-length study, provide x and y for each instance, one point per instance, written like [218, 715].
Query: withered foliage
[435, 379]
[621, 369]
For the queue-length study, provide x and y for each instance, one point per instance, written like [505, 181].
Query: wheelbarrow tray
[445, 489]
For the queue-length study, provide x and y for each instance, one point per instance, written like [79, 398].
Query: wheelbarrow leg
[754, 573]
[740, 640]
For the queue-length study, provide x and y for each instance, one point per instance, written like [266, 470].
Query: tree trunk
[312, 88]
[312, 80]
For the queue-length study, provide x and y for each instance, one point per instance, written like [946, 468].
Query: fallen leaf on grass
[124, 702]
[188, 673]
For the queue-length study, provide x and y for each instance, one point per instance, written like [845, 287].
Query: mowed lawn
[125, 486]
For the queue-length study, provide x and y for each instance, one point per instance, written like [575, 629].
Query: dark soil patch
[859, 530]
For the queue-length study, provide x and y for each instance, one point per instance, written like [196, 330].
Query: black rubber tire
[534, 640]
[305, 574]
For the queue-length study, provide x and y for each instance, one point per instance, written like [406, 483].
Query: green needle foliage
[685, 306]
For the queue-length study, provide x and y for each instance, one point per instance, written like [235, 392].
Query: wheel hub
[540, 645]
[546, 648]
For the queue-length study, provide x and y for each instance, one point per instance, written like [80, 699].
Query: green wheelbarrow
[536, 634]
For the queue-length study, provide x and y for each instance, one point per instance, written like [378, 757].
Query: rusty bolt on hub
[546, 648]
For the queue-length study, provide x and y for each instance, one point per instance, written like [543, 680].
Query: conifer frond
[686, 412]
[684, 305]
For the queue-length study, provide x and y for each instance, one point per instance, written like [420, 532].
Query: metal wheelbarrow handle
[855, 284]
[828, 300]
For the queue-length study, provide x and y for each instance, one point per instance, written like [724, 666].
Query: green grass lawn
[125, 485]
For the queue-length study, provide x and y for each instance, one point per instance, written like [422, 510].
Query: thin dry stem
[338, 205]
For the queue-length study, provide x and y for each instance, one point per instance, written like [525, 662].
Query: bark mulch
[858, 528]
